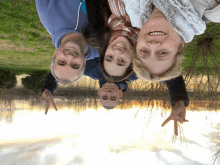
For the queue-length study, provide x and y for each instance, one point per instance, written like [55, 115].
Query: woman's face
[118, 56]
[157, 44]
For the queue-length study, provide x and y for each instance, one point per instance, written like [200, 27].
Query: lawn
[26, 46]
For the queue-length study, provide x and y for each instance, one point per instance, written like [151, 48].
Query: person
[116, 45]
[165, 28]
[64, 20]
[110, 92]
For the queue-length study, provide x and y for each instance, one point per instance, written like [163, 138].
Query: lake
[83, 132]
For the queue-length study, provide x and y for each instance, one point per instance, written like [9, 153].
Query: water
[83, 132]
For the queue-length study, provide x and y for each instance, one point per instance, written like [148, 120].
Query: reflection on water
[76, 97]
[83, 126]
[103, 137]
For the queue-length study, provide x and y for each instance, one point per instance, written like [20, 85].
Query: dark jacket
[176, 87]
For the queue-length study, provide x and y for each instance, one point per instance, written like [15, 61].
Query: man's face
[109, 94]
[69, 58]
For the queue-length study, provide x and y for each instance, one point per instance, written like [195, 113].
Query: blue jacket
[176, 87]
[60, 17]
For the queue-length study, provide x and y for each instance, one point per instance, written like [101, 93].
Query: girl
[116, 42]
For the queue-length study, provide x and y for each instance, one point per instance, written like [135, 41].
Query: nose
[118, 49]
[72, 55]
[153, 43]
[69, 56]
[109, 90]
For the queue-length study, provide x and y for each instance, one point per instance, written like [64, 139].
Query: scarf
[180, 14]
[120, 22]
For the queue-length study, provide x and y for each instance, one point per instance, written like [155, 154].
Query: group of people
[119, 41]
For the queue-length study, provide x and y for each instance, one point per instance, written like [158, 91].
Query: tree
[34, 82]
[7, 79]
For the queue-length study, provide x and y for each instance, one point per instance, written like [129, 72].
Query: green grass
[26, 46]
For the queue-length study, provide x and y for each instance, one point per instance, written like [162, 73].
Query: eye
[61, 62]
[163, 53]
[75, 66]
[113, 98]
[104, 97]
[143, 51]
[109, 56]
[122, 60]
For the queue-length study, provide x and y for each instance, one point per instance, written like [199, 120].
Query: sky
[104, 137]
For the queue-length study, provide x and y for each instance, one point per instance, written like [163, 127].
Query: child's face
[157, 44]
[109, 94]
[118, 56]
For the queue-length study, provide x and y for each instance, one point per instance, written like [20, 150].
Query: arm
[213, 15]
[179, 101]
[41, 4]
[50, 85]
[177, 90]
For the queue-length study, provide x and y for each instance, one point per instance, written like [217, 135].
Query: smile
[157, 33]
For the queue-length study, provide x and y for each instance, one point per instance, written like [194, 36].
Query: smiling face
[69, 58]
[118, 56]
[109, 94]
[157, 44]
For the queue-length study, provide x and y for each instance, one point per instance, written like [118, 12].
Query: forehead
[66, 72]
[112, 68]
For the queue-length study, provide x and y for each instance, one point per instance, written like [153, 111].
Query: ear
[84, 62]
[99, 91]
[182, 44]
[55, 53]
[120, 93]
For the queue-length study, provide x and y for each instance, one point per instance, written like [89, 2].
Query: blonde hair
[143, 73]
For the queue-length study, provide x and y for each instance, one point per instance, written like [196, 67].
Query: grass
[26, 46]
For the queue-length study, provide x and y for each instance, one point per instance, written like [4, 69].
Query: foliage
[34, 81]
[7, 79]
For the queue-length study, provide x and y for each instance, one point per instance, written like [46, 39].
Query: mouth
[156, 33]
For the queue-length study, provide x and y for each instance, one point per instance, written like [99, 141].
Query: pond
[83, 132]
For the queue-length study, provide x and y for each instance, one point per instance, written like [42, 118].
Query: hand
[178, 114]
[48, 99]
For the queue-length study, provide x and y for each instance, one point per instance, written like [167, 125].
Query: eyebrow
[120, 65]
[107, 60]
